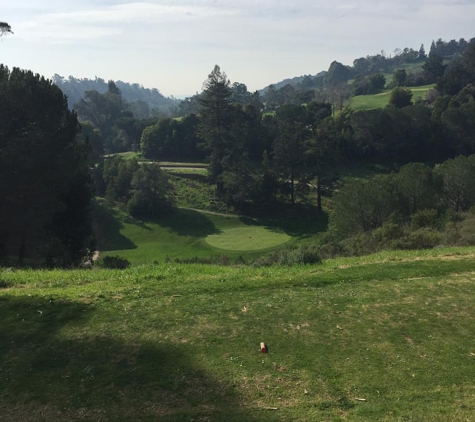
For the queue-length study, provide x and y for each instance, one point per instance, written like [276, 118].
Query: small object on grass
[41, 312]
[263, 347]
[339, 327]
[269, 408]
[360, 399]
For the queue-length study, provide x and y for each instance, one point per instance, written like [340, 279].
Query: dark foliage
[114, 262]
[45, 182]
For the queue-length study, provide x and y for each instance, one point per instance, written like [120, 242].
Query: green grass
[249, 238]
[188, 233]
[368, 102]
[387, 337]
[129, 155]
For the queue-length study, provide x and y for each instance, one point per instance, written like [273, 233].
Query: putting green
[249, 238]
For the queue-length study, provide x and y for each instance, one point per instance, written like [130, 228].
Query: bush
[330, 250]
[460, 233]
[425, 218]
[360, 244]
[301, 254]
[211, 260]
[425, 238]
[400, 97]
[115, 262]
[388, 232]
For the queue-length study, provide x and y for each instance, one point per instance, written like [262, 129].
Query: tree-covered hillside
[367, 75]
[150, 100]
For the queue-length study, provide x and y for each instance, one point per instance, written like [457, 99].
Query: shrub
[467, 232]
[360, 244]
[388, 232]
[239, 261]
[301, 254]
[425, 218]
[451, 234]
[400, 97]
[115, 262]
[425, 238]
[330, 250]
[211, 260]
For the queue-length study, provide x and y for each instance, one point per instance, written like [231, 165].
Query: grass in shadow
[107, 227]
[302, 222]
[189, 223]
[54, 368]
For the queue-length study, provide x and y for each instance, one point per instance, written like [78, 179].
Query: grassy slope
[367, 102]
[180, 343]
[184, 235]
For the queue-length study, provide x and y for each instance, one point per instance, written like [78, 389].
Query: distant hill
[295, 81]
[408, 58]
[74, 88]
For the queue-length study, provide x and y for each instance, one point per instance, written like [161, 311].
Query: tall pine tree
[44, 176]
[216, 122]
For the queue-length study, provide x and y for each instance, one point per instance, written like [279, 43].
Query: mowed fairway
[387, 337]
[185, 234]
[249, 238]
[368, 102]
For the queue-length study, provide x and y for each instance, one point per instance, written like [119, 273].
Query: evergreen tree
[289, 145]
[215, 124]
[434, 67]
[152, 193]
[422, 53]
[44, 175]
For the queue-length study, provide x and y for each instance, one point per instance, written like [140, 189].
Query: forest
[284, 148]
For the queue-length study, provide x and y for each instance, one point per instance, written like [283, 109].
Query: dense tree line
[50, 165]
[144, 102]
[45, 183]
[367, 72]
[143, 189]
[112, 115]
[260, 158]
[416, 207]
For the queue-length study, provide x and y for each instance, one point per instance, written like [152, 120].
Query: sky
[173, 45]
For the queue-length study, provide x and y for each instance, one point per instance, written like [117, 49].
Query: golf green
[250, 238]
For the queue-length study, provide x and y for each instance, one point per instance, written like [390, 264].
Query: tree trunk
[292, 187]
[21, 253]
[319, 195]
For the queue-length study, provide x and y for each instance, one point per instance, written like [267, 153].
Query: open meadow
[377, 338]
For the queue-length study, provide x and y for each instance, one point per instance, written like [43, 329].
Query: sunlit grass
[249, 238]
[382, 337]
[368, 102]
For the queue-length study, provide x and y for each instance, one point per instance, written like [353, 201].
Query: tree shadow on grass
[48, 376]
[107, 226]
[296, 223]
[189, 223]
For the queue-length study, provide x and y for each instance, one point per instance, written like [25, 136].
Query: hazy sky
[173, 45]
